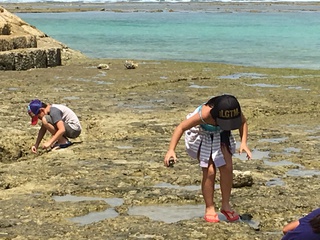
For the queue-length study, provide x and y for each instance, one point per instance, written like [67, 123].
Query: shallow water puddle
[240, 75]
[71, 98]
[256, 154]
[264, 85]
[139, 106]
[168, 214]
[198, 86]
[94, 216]
[188, 188]
[298, 88]
[169, 185]
[273, 140]
[280, 163]
[314, 137]
[13, 89]
[292, 149]
[175, 213]
[275, 182]
[303, 173]
[103, 82]
[124, 147]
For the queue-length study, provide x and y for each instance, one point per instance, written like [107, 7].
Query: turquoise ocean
[262, 39]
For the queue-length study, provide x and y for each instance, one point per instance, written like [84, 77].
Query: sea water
[261, 39]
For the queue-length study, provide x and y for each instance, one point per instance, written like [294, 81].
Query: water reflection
[188, 188]
[264, 85]
[168, 214]
[240, 75]
[198, 86]
[280, 163]
[303, 173]
[124, 147]
[256, 155]
[275, 182]
[292, 149]
[273, 140]
[93, 216]
[175, 213]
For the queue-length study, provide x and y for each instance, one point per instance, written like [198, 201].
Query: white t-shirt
[61, 112]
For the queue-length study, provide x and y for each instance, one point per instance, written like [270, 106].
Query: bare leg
[208, 180]
[52, 130]
[48, 126]
[226, 179]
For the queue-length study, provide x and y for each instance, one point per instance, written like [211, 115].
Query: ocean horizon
[150, 1]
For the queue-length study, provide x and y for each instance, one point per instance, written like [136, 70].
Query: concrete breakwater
[22, 46]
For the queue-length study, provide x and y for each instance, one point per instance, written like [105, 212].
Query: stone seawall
[22, 46]
[8, 42]
[24, 59]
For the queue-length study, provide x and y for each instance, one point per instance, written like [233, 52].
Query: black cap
[227, 112]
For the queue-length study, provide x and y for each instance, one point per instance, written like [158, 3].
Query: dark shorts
[69, 133]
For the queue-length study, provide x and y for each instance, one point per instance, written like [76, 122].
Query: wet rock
[242, 179]
[103, 66]
[130, 65]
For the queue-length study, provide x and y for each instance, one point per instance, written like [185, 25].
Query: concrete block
[23, 60]
[5, 28]
[6, 43]
[31, 41]
[53, 57]
[7, 61]
[39, 58]
[19, 42]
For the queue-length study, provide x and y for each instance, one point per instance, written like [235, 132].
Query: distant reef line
[56, 7]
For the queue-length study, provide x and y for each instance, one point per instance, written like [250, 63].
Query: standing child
[58, 119]
[208, 138]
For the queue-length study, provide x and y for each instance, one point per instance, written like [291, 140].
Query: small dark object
[171, 163]
[246, 217]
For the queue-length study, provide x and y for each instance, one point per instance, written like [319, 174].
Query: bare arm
[41, 133]
[290, 226]
[243, 131]
[179, 130]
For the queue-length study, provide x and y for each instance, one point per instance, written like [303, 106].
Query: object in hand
[171, 163]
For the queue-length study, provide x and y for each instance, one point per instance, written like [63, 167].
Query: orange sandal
[212, 218]
[230, 215]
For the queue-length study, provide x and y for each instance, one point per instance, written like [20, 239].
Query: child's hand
[171, 155]
[34, 149]
[46, 145]
[244, 147]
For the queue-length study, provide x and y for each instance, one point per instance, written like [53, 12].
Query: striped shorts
[201, 144]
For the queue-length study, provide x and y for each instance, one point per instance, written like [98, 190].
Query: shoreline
[164, 6]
